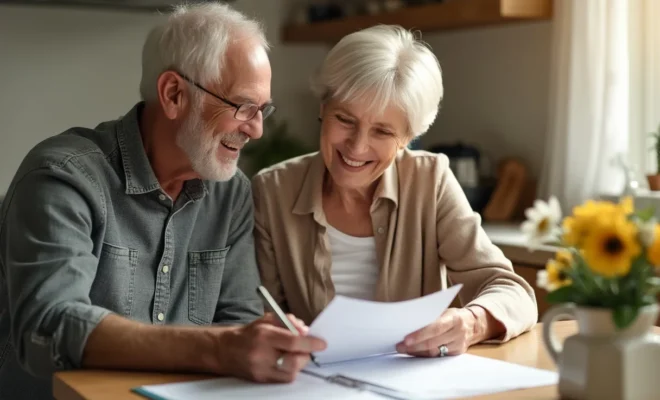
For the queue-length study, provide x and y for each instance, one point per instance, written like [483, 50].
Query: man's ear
[172, 94]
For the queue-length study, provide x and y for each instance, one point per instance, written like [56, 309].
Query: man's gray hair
[193, 40]
[384, 65]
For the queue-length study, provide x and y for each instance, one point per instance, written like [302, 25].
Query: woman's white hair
[384, 65]
[194, 40]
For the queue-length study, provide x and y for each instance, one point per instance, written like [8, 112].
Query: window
[644, 44]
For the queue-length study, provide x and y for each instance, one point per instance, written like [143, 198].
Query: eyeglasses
[244, 112]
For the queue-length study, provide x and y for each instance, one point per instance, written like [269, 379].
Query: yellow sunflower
[653, 252]
[554, 276]
[564, 258]
[611, 245]
[624, 207]
[575, 230]
[577, 227]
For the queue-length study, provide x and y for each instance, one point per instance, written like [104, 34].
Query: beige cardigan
[426, 235]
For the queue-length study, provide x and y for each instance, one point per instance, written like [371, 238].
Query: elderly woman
[366, 217]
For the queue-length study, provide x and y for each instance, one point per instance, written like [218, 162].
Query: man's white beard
[201, 147]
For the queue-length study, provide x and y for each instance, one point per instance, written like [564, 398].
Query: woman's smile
[351, 164]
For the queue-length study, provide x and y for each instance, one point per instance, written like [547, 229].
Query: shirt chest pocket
[114, 283]
[205, 269]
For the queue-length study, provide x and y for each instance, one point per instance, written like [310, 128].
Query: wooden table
[527, 349]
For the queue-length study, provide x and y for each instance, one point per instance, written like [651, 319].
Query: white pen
[272, 304]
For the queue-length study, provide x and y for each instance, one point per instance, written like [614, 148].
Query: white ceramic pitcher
[601, 362]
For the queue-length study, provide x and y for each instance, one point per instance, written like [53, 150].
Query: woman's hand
[457, 328]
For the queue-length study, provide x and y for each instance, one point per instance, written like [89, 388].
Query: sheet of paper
[354, 328]
[304, 387]
[442, 378]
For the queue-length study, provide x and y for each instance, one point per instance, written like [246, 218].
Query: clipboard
[387, 377]
[354, 388]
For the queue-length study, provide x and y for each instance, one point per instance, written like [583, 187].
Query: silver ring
[280, 362]
[443, 350]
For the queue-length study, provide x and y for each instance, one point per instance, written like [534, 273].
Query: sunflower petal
[555, 208]
[529, 227]
[542, 279]
[627, 205]
[646, 232]
[541, 206]
[532, 214]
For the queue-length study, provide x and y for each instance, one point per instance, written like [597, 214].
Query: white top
[354, 268]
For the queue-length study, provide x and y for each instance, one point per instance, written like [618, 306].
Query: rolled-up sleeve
[488, 278]
[47, 252]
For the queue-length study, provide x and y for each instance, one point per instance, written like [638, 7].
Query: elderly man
[113, 239]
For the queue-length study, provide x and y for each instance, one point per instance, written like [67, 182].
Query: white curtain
[589, 104]
[645, 83]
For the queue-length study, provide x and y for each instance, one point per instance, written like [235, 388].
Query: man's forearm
[119, 343]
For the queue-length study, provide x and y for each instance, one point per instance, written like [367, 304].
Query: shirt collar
[388, 187]
[140, 177]
[310, 199]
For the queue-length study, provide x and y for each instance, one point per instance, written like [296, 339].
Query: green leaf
[624, 315]
[646, 214]
[565, 294]
[555, 243]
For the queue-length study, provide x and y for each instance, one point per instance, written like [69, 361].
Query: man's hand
[249, 351]
[252, 351]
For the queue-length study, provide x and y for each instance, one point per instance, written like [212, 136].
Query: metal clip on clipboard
[362, 385]
[346, 381]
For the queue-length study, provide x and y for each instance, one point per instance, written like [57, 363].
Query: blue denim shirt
[86, 230]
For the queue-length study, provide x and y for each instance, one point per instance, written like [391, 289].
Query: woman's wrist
[485, 326]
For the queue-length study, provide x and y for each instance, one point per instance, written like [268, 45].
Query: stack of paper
[355, 328]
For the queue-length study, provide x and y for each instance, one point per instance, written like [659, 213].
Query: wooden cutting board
[512, 175]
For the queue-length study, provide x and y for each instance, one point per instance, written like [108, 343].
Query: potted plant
[604, 276]
[654, 180]
[277, 144]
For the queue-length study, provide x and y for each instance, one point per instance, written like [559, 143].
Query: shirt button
[381, 230]
[161, 316]
[166, 269]
[162, 197]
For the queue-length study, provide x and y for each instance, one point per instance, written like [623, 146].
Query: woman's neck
[348, 210]
[349, 199]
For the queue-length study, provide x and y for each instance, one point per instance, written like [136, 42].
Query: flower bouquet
[606, 259]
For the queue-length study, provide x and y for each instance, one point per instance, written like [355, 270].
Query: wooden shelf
[447, 15]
